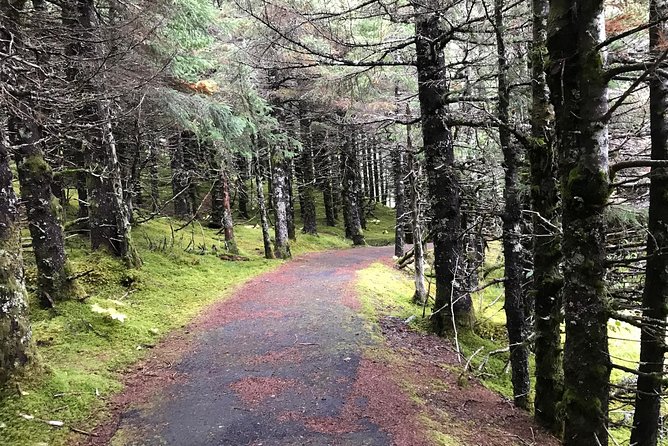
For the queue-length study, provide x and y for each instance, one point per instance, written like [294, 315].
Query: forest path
[278, 363]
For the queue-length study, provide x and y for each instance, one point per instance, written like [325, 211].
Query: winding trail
[277, 363]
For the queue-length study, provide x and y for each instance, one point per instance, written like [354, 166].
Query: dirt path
[273, 365]
[288, 360]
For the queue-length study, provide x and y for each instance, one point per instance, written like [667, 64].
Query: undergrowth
[387, 292]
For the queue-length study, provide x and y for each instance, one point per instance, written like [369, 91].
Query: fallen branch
[79, 275]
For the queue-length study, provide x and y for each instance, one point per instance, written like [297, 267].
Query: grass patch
[82, 352]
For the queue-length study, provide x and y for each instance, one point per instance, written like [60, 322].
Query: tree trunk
[290, 210]
[183, 206]
[307, 186]
[262, 209]
[357, 177]
[154, 179]
[15, 334]
[646, 419]
[42, 209]
[351, 192]
[414, 172]
[578, 88]
[108, 217]
[376, 171]
[546, 249]
[399, 201]
[35, 179]
[228, 223]
[443, 182]
[512, 216]
[242, 187]
[281, 204]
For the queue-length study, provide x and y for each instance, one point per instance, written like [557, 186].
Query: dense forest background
[535, 129]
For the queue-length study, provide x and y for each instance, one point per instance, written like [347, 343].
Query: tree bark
[290, 210]
[43, 210]
[578, 88]
[443, 183]
[646, 419]
[281, 204]
[262, 209]
[546, 248]
[307, 186]
[414, 175]
[351, 192]
[36, 182]
[15, 333]
[108, 216]
[183, 207]
[512, 216]
[242, 187]
[399, 201]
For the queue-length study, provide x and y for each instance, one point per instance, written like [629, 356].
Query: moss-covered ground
[82, 347]
[386, 291]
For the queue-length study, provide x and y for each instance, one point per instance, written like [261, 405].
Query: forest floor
[306, 355]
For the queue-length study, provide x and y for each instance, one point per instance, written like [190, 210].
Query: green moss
[36, 165]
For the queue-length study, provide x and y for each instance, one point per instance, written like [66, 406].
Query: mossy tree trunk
[512, 215]
[646, 419]
[221, 209]
[36, 182]
[262, 209]
[281, 200]
[443, 183]
[42, 209]
[228, 223]
[578, 88]
[15, 334]
[546, 248]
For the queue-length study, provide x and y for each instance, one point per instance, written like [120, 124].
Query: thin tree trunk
[290, 210]
[414, 172]
[154, 179]
[308, 179]
[578, 88]
[280, 199]
[351, 192]
[399, 201]
[242, 187]
[376, 171]
[512, 216]
[180, 179]
[547, 279]
[262, 209]
[228, 223]
[646, 419]
[443, 182]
